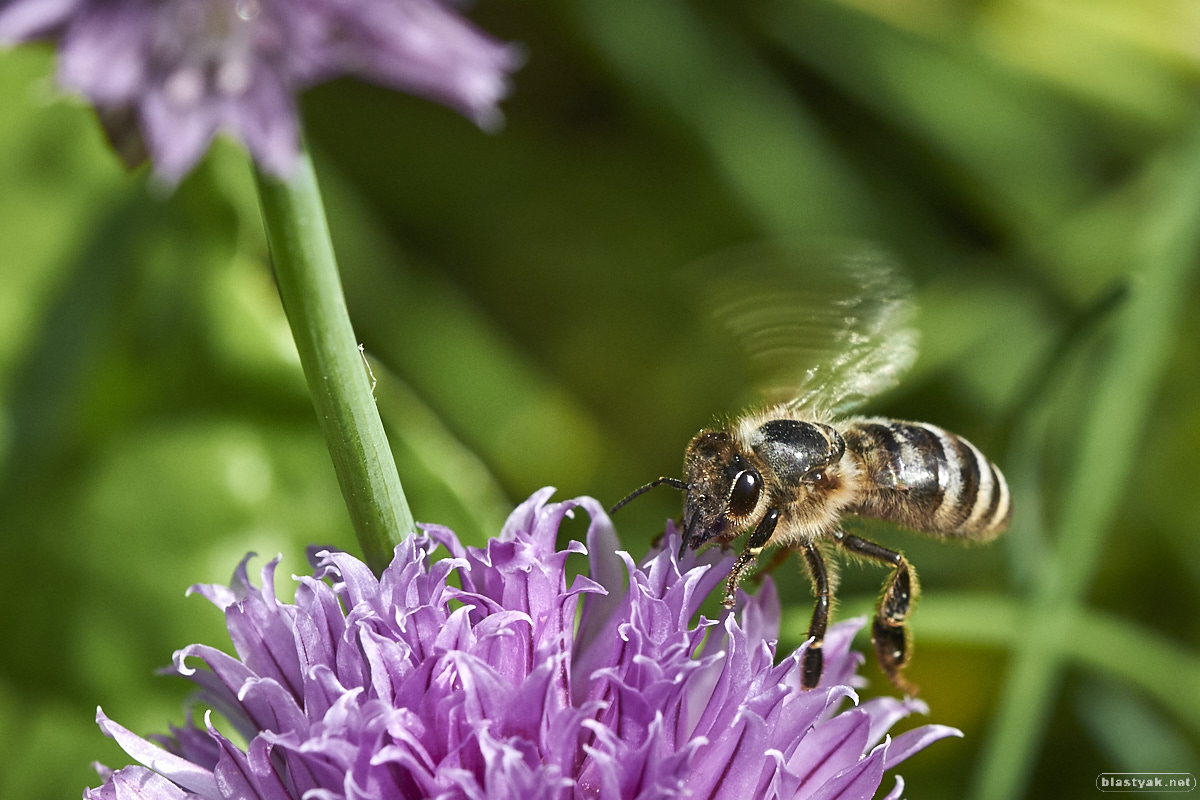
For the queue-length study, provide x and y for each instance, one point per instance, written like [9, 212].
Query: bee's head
[724, 490]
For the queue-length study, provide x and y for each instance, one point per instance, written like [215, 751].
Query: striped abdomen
[928, 479]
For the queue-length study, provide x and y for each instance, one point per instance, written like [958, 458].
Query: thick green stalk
[1106, 454]
[306, 272]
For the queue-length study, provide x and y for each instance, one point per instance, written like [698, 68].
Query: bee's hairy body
[789, 479]
[910, 473]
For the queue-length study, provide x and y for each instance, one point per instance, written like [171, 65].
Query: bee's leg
[758, 540]
[813, 663]
[889, 633]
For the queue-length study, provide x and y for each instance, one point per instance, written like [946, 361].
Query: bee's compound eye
[743, 497]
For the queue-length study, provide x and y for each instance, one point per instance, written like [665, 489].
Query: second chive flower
[178, 72]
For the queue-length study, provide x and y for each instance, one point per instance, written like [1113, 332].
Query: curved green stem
[311, 290]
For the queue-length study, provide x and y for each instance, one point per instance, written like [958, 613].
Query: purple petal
[859, 782]
[262, 632]
[105, 50]
[232, 772]
[178, 770]
[916, 740]
[176, 136]
[271, 706]
[190, 743]
[263, 771]
[422, 47]
[730, 686]
[600, 608]
[841, 662]
[220, 686]
[187, 70]
[138, 783]
[732, 764]
[761, 614]
[23, 20]
[264, 117]
[523, 519]
[529, 708]
[828, 748]
[887, 711]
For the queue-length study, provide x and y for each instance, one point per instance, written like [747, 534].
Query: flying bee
[834, 323]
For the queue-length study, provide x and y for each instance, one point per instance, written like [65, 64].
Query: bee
[788, 474]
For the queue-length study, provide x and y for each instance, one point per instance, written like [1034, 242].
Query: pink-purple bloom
[406, 686]
[184, 70]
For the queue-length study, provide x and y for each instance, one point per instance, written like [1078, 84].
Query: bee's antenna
[674, 482]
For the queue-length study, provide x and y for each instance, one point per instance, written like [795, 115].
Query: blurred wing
[824, 326]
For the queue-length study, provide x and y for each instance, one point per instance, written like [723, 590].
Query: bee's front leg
[758, 540]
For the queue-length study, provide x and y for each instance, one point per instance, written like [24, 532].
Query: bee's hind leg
[889, 632]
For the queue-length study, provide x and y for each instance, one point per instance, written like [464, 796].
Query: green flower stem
[1107, 452]
[306, 272]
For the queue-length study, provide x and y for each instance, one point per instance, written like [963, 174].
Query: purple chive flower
[184, 70]
[407, 687]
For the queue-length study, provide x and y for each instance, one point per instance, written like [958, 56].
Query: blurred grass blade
[1165, 671]
[772, 154]
[990, 620]
[1078, 331]
[494, 398]
[1128, 730]
[465, 477]
[1015, 152]
[1107, 451]
[1027, 544]
[1027, 428]
[1162, 669]
[51, 383]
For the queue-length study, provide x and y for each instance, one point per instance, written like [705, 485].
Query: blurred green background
[1034, 163]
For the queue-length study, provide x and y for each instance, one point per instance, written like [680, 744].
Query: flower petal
[887, 711]
[826, 749]
[23, 20]
[138, 783]
[858, 782]
[916, 740]
[178, 770]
